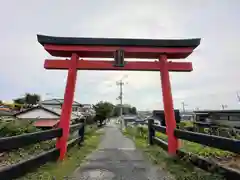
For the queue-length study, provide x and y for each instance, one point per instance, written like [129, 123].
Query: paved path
[117, 159]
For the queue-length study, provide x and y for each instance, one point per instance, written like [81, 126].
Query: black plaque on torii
[119, 58]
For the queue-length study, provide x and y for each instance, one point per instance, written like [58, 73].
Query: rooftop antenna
[183, 106]
[238, 97]
[197, 108]
[223, 106]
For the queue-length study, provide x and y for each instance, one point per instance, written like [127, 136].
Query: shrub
[186, 125]
[16, 127]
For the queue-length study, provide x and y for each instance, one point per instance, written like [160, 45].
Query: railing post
[151, 132]
[81, 133]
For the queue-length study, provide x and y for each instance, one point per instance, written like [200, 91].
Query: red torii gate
[118, 49]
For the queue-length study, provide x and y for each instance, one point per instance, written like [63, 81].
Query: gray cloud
[212, 82]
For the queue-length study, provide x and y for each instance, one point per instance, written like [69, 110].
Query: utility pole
[120, 83]
[120, 97]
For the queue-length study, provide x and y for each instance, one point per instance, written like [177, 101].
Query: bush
[180, 169]
[90, 120]
[142, 132]
[195, 148]
[16, 127]
[186, 125]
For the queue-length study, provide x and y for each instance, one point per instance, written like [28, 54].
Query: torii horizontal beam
[108, 65]
[107, 52]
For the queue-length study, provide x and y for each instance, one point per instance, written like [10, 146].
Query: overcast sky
[214, 80]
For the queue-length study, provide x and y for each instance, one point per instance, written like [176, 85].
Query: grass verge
[225, 158]
[16, 127]
[199, 149]
[13, 128]
[76, 155]
[179, 169]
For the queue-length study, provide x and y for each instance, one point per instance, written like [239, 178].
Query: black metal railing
[222, 143]
[15, 142]
[218, 142]
[21, 168]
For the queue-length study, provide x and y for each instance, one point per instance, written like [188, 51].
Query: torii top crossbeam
[105, 48]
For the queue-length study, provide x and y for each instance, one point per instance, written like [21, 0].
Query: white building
[77, 108]
[88, 109]
[48, 112]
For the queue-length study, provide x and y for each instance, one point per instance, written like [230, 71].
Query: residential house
[159, 116]
[5, 113]
[47, 113]
[88, 109]
[227, 118]
[187, 116]
[77, 108]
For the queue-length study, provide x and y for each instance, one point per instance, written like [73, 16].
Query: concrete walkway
[117, 159]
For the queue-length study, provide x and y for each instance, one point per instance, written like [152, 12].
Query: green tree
[19, 100]
[28, 99]
[116, 110]
[126, 109]
[103, 111]
[1, 102]
[32, 99]
[133, 110]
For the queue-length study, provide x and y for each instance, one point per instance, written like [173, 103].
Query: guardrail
[209, 140]
[204, 139]
[218, 142]
[21, 168]
[15, 142]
